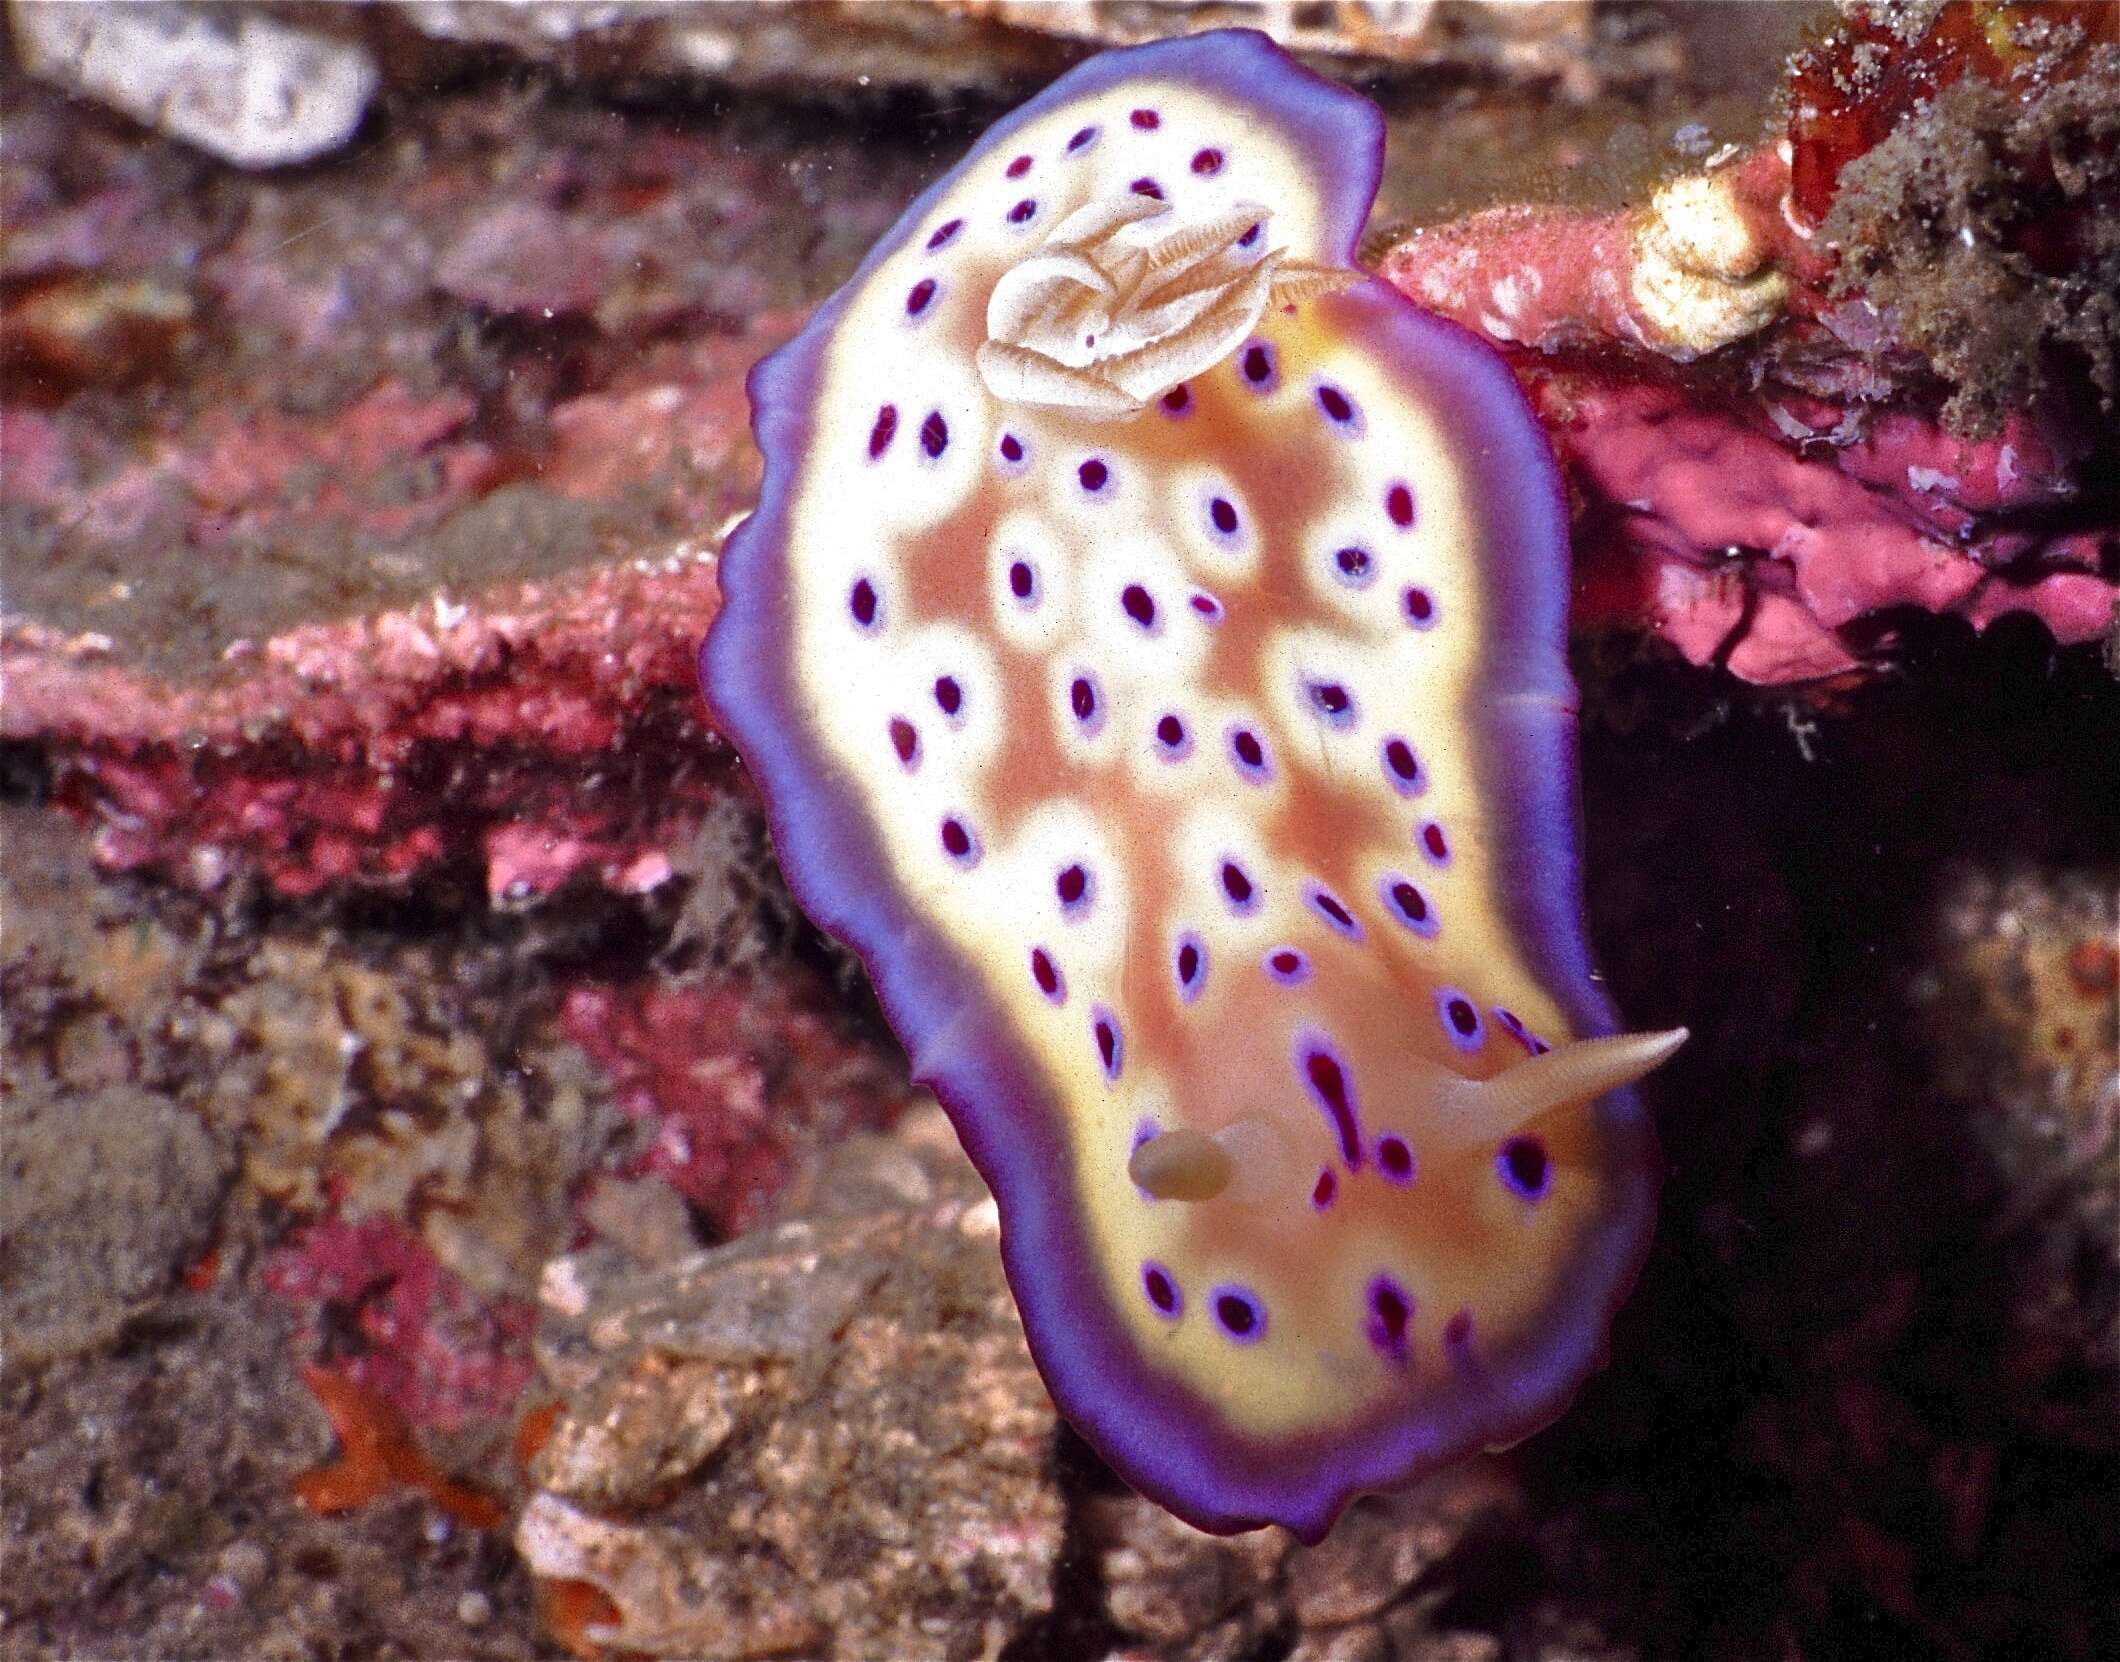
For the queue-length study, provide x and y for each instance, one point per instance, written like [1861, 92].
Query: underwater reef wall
[377, 887]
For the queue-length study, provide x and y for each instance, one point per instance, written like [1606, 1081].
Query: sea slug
[1149, 646]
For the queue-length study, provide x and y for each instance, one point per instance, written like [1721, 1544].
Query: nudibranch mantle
[1191, 763]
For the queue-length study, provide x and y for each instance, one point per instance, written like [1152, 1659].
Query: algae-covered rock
[104, 1196]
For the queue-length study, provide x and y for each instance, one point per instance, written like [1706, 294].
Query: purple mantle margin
[1154, 1432]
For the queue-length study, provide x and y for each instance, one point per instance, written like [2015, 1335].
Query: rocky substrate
[454, 1206]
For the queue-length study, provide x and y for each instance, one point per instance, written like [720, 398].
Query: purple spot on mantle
[1147, 187]
[1249, 755]
[1207, 163]
[1355, 567]
[1434, 844]
[1327, 1078]
[1256, 362]
[1406, 903]
[1237, 886]
[1088, 707]
[1525, 1167]
[1328, 906]
[1402, 767]
[945, 234]
[1207, 606]
[1146, 121]
[1023, 212]
[1023, 583]
[1513, 1025]
[1239, 1313]
[905, 739]
[1398, 503]
[1323, 1191]
[959, 843]
[1191, 966]
[949, 696]
[1047, 974]
[1083, 139]
[1172, 741]
[1017, 168]
[1178, 401]
[1420, 608]
[862, 602]
[1139, 605]
[1333, 703]
[1288, 966]
[1110, 1043]
[1072, 885]
[1390, 1315]
[934, 434]
[880, 434]
[1010, 450]
[1394, 1159]
[1093, 474]
[1163, 1295]
[917, 301]
[1339, 408]
[1460, 1018]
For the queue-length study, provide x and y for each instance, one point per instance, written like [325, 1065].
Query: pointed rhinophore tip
[1666, 1043]
[1631, 1056]
[1573, 1072]
[1181, 1165]
[1585, 1068]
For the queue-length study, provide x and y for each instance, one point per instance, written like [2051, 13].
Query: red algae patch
[431, 1350]
[710, 1072]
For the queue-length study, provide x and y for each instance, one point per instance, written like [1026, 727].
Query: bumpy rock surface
[148, 1512]
[824, 1437]
[104, 1196]
[828, 1437]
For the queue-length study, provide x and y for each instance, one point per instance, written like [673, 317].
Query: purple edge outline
[1149, 1428]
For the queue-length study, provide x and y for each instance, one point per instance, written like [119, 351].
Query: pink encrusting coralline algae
[1756, 442]
[1150, 647]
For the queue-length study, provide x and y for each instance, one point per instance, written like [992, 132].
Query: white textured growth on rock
[245, 88]
[1700, 271]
